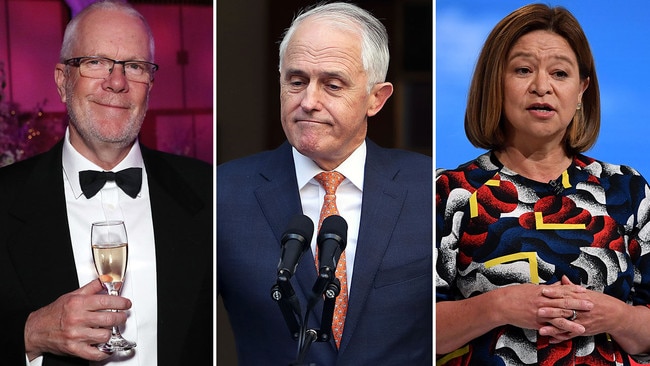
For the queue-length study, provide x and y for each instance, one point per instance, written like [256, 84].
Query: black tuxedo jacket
[37, 264]
[389, 317]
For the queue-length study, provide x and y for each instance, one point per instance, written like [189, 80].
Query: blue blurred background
[619, 39]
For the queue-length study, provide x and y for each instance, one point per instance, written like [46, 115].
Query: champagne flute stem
[116, 332]
[114, 292]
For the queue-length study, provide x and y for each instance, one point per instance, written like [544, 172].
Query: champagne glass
[110, 254]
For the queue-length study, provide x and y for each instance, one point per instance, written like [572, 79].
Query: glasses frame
[76, 62]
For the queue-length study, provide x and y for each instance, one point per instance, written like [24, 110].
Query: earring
[579, 106]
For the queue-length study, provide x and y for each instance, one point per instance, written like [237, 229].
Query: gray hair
[374, 38]
[70, 35]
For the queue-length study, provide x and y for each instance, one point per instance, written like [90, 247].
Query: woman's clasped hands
[567, 313]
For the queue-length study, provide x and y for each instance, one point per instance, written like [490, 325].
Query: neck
[104, 155]
[538, 166]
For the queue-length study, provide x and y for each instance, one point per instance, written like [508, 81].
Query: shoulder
[468, 176]
[162, 161]
[241, 177]
[602, 170]
[614, 180]
[247, 162]
[482, 167]
[18, 169]
[485, 161]
[403, 160]
[257, 160]
[188, 180]
[40, 166]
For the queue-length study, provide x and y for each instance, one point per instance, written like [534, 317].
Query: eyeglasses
[101, 67]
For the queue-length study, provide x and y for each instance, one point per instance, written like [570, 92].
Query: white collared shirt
[348, 197]
[111, 203]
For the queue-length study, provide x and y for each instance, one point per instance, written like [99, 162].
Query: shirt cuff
[38, 361]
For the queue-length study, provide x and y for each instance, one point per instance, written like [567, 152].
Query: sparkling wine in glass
[110, 254]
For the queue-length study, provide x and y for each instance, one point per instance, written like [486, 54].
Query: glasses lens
[137, 71]
[95, 67]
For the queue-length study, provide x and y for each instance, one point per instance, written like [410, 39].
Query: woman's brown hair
[484, 125]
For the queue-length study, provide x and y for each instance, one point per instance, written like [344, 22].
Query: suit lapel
[382, 202]
[278, 194]
[279, 200]
[38, 216]
[180, 240]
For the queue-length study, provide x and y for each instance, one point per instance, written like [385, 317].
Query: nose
[311, 98]
[116, 81]
[541, 84]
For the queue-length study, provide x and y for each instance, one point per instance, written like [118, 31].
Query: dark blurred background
[248, 104]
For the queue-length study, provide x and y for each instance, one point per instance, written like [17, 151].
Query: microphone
[331, 241]
[295, 241]
[556, 186]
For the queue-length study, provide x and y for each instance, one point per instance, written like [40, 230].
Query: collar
[74, 162]
[352, 168]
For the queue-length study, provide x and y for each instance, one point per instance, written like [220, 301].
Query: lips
[113, 105]
[543, 107]
[110, 102]
[309, 120]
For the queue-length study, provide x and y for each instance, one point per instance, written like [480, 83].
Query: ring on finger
[574, 316]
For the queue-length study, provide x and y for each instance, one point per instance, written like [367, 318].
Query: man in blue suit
[333, 63]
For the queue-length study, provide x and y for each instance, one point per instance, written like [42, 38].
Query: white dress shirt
[111, 203]
[348, 197]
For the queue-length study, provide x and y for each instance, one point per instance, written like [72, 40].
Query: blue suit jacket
[389, 318]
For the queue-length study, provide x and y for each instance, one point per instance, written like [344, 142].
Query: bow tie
[129, 180]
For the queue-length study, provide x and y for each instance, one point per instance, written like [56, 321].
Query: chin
[306, 142]
[308, 151]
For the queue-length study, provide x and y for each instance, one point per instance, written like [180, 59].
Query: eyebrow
[298, 72]
[102, 55]
[324, 74]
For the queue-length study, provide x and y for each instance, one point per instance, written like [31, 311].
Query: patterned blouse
[495, 228]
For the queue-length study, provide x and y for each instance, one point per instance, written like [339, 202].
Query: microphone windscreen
[337, 225]
[301, 225]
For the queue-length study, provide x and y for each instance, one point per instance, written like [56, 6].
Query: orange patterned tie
[330, 181]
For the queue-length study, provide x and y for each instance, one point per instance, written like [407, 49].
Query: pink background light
[180, 117]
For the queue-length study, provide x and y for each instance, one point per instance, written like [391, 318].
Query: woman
[543, 254]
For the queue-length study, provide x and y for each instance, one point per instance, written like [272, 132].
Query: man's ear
[378, 97]
[60, 78]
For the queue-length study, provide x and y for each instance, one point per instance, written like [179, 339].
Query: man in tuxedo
[53, 306]
[333, 64]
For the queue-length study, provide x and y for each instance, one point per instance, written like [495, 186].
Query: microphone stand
[327, 287]
[282, 292]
